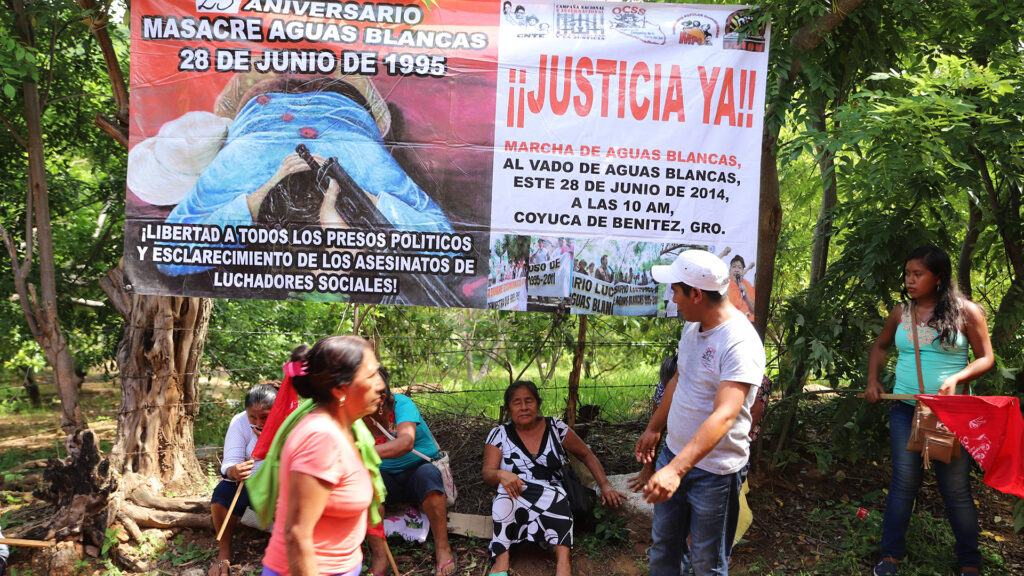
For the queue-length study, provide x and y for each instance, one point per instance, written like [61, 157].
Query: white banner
[633, 300]
[592, 296]
[550, 279]
[592, 100]
[507, 295]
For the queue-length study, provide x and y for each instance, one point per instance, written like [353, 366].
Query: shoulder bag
[442, 463]
[928, 435]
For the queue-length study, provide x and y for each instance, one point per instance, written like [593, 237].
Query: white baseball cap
[696, 268]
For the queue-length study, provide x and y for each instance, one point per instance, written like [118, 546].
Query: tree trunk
[823, 227]
[769, 225]
[154, 450]
[40, 308]
[963, 268]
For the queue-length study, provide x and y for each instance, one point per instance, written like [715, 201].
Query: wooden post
[574, 376]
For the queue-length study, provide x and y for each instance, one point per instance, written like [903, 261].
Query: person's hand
[637, 483]
[292, 164]
[662, 485]
[873, 393]
[949, 385]
[610, 496]
[513, 484]
[240, 471]
[646, 445]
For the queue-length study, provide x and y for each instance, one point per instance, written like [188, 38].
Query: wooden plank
[892, 396]
[472, 525]
[27, 543]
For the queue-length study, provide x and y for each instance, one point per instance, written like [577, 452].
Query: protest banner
[372, 152]
[507, 295]
[592, 296]
[635, 300]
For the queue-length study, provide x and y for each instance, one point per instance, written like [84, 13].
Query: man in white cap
[696, 488]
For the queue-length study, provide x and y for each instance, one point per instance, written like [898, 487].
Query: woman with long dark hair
[947, 327]
[325, 488]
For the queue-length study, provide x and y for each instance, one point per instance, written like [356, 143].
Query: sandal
[453, 562]
[220, 568]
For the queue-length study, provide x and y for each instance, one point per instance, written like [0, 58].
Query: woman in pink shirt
[325, 490]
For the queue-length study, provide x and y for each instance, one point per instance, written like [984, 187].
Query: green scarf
[263, 485]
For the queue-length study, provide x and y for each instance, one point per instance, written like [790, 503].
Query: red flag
[286, 402]
[992, 430]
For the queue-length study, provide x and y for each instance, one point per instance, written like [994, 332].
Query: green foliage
[610, 529]
[211, 425]
[109, 541]
[111, 569]
[183, 553]
[85, 172]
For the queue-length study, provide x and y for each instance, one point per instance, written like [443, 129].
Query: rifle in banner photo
[359, 212]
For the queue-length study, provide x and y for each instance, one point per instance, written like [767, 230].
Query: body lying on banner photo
[282, 167]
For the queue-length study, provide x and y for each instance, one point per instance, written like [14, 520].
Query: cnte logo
[219, 6]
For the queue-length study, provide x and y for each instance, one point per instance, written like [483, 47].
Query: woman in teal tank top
[947, 326]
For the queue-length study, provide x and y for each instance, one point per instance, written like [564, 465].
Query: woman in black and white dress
[522, 458]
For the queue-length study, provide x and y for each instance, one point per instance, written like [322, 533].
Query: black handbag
[581, 498]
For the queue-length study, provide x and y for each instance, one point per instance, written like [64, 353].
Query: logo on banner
[632, 21]
[734, 40]
[579, 22]
[218, 6]
[696, 29]
[529, 24]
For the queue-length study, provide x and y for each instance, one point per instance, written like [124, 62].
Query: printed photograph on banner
[614, 277]
[549, 276]
[506, 279]
[742, 293]
[741, 279]
[309, 155]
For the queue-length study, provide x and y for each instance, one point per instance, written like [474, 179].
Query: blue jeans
[701, 508]
[954, 485]
[412, 486]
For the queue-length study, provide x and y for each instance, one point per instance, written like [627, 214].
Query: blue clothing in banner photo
[270, 127]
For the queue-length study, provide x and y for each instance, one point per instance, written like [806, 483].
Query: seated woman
[409, 477]
[237, 465]
[523, 459]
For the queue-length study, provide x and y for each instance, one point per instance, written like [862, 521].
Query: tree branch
[17, 137]
[998, 212]
[112, 128]
[98, 26]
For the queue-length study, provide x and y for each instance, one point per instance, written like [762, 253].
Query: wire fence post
[574, 376]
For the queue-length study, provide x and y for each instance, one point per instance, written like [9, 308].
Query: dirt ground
[786, 506]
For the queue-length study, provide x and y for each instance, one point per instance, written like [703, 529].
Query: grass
[622, 394]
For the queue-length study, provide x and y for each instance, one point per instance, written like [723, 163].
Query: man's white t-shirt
[731, 351]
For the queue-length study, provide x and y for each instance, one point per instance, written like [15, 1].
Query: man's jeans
[954, 485]
[700, 509]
